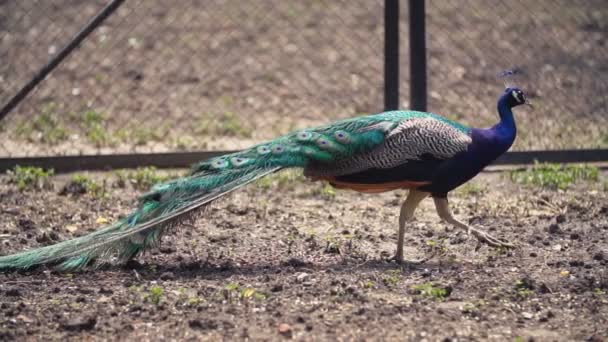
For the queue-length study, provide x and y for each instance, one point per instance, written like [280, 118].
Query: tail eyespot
[342, 137]
[304, 135]
[278, 149]
[219, 163]
[238, 161]
[263, 149]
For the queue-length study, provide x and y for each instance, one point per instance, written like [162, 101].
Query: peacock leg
[443, 210]
[406, 214]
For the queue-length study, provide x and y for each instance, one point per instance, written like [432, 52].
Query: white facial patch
[516, 96]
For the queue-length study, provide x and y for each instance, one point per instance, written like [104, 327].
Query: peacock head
[514, 97]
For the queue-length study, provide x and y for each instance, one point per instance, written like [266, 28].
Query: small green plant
[252, 293]
[140, 135]
[28, 177]
[328, 191]
[225, 124]
[473, 308]
[333, 244]
[44, 128]
[391, 278]
[183, 143]
[194, 301]
[283, 180]
[438, 245]
[430, 290]
[524, 287]
[231, 126]
[369, 284]
[88, 185]
[155, 294]
[471, 188]
[233, 289]
[554, 176]
[93, 124]
[142, 178]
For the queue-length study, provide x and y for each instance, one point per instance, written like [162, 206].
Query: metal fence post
[391, 54]
[52, 64]
[418, 86]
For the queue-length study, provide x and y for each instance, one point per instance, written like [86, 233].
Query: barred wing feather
[407, 140]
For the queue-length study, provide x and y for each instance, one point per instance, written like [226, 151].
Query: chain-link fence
[163, 75]
[560, 45]
[203, 75]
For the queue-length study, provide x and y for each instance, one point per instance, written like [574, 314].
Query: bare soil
[291, 259]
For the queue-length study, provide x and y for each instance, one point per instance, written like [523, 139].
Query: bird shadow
[220, 270]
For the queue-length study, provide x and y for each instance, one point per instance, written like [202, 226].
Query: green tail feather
[167, 204]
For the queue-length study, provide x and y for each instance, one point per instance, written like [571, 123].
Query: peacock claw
[489, 239]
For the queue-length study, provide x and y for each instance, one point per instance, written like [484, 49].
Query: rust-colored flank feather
[372, 188]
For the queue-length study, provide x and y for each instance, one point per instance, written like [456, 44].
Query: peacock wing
[415, 142]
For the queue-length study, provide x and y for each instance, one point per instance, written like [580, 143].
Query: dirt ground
[289, 259]
[285, 258]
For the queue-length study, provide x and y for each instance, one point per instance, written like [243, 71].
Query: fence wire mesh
[162, 75]
[202, 75]
[561, 48]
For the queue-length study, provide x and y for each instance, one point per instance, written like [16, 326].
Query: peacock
[423, 152]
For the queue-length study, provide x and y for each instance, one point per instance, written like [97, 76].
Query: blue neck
[506, 127]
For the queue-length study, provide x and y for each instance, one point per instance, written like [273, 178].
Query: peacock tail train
[342, 147]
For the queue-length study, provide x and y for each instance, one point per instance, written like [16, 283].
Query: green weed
[194, 301]
[473, 308]
[432, 291]
[93, 124]
[327, 191]
[183, 143]
[369, 284]
[227, 124]
[44, 128]
[471, 188]
[28, 177]
[141, 135]
[438, 246]
[87, 185]
[391, 278]
[142, 178]
[524, 287]
[234, 290]
[333, 245]
[155, 294]
[554, 176]
[284, 179]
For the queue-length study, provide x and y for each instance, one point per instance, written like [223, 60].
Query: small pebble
[167, 276]
[285, 329]
[553, 228]
[80, 324]
[302, 277]
[13, 292]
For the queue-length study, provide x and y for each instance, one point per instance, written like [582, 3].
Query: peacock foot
[489, 239]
